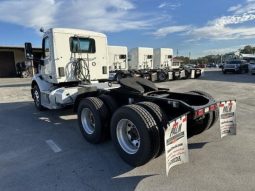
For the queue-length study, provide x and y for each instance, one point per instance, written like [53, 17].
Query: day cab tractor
[134, 113]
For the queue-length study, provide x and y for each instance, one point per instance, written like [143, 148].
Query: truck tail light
[200, 112]
[213, 107]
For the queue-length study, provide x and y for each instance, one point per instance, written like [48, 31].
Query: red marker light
[213, 107]
[200, 112]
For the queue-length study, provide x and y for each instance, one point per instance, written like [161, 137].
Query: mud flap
[176, 144]
[227, 111]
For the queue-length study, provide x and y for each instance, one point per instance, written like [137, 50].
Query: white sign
[227, 118]
[176, 144]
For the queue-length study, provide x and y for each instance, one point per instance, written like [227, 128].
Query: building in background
[177, 63]
[250, 58]
[10, 56]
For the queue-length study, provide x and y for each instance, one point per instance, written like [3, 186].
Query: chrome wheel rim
[128, 136]
[88, 121]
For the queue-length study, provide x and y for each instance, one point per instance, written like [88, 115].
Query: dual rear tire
[137, 132]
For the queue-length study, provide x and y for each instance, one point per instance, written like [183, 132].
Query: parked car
[211, 65]
[252, 68]
[236, 66]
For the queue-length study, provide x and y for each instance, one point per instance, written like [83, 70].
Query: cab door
[46, 68]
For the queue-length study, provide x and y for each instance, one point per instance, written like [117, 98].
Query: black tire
[37, 98]
[162, 76]
[112, 106]
[146, 132]
[110, 103]
[161, 120]
[175, 76]
[224, 72]
[93, 119]
[118, 77]
[216, 112]
[197, 127]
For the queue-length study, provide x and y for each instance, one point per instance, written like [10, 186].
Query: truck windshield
[82, 45]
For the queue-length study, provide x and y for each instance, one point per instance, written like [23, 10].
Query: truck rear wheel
[112, 106]
[110, 103]
[161, 120]
[92, 119]
[135, 134]
[162, 76]
[199, 126]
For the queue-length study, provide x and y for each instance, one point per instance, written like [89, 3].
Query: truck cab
[73, 55]
[74, 61]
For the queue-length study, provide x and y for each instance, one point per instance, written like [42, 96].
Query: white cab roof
[76, 31]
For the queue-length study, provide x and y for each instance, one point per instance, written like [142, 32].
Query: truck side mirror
[28, 50]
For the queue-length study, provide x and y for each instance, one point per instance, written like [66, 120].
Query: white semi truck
[135, 113]
[118, 61]
[153, 64]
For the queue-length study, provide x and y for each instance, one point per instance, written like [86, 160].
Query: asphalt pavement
[46, 151]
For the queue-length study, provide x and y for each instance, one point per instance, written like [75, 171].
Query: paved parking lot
[46, 151]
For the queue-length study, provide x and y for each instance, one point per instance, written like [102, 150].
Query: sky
[195, 27]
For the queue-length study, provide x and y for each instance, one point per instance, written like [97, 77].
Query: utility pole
[189, 57]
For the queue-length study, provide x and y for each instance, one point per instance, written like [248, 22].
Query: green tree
[248, 50]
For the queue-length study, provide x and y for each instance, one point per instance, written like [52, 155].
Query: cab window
[82, 45]
[46, 47]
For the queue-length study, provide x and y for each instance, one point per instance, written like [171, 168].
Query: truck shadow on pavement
[78, 166]
[197, 145]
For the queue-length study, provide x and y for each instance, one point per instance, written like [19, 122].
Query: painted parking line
[53, 146]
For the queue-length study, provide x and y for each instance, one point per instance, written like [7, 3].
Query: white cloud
[248, 7]
[223, 50]
[162, 32]
[234, 8]
[169, 5]
[29, 13]
[235, 19]
[222, 28]
[99, 15]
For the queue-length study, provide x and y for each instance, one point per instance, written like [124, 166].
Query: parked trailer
[133, 113]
